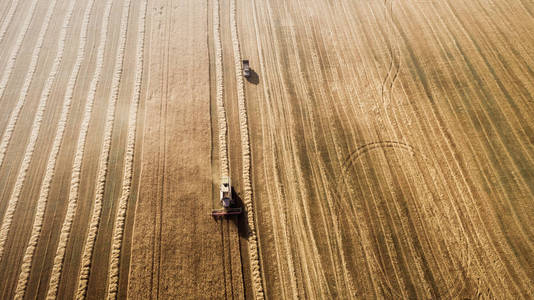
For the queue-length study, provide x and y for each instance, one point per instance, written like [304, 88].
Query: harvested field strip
[312, 270]
[113, 276]
[492, 250]
[36, 126]
[104, 157]
[484, 226]
[52, 158]
[391, 210]
[78, 158]
[6, 136]
[245, 148]
[279, 194]
[219, 81]
[316, 266]
[7, 19]
[427, 224]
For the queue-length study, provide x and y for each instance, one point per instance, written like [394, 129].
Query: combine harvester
[228, 204]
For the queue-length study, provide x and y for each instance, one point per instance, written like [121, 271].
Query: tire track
[5, 78]
[245, 146]
[392, 64]
[36, 126]
[51, 164]
[396, 55]
[77, 164]
[113, 275]
[7, 18]
[89, 244]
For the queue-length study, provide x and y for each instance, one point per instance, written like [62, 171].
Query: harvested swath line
[83, 277]
[7, 19]
[113, 275]
[76, 168]
[221, 113]
[14, 116]
[245, 146]
[7, 74]
[36, 126]
[50, 168]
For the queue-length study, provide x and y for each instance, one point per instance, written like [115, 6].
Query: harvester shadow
[254, 78]
[240, 220]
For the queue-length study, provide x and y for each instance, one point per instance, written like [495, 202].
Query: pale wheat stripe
[245, 144]
[113, 275]
[221, 113]
[7, 19]
[5, 78]
[50, 168]
[36, 126]
[83, 277]
[76, 168]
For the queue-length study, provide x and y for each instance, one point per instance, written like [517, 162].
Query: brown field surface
[380, 149]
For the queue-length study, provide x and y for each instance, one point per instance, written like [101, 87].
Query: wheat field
[380, 149]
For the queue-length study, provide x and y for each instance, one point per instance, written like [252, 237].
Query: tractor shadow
[240, 220]
[254, 78]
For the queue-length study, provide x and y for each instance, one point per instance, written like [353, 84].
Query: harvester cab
[228, 205]
[246, 68]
